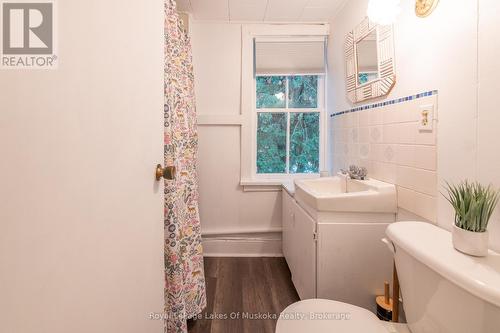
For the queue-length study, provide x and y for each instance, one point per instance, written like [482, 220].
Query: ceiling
[262, 10]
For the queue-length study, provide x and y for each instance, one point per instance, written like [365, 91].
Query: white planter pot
[469, 242]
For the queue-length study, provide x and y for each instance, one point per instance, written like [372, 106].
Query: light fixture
[383, 12]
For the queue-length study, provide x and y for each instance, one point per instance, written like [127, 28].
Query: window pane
[271, 91]
[304, 142]
[271, 142]
[303, 91]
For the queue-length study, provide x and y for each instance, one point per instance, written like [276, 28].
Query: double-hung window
[289, 115]
[288, 111]
[283, 104]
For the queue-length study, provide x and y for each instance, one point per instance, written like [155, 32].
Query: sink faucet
[355, 172]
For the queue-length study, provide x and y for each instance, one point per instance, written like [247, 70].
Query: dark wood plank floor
[244, 295]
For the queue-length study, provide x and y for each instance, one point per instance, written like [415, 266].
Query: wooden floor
[244, 295]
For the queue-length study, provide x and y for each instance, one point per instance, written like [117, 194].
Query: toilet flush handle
[389, 244]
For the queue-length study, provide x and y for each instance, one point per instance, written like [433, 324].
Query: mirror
[369, 57]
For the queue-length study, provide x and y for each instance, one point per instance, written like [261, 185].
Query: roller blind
[304, 55]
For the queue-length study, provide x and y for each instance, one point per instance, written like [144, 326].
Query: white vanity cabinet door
[303, 251]
[353, 263]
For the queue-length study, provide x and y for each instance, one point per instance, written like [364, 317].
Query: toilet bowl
[326, 316]
[443, 290]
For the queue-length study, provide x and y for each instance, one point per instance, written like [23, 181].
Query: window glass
[271, 142]
[288, 139]
[303, 91]
[304, 142]
[271, 92]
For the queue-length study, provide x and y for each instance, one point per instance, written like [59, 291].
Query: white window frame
[248, 140]
[322, 119]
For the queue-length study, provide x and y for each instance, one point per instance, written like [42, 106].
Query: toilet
[443, 290]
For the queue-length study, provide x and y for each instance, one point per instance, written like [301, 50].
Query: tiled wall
[385, 138]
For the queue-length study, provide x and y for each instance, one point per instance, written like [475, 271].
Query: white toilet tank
[443, 290]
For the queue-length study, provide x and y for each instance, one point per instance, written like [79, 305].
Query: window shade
[289, 55]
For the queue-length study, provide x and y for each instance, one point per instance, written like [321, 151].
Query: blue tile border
[381, 104]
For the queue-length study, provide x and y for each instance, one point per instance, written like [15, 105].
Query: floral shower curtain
[184, 276]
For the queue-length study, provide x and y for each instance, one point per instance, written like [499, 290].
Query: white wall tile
[406, 198]
[406, 177]
[364, 151]
[425, 157]
[376, 152]
[426, 206]
[405, 155]
[388, 143]
[384, 171]
[352, 119]
[364, 118]
[341, 121]
[417, 179]
[353, 135]
[353, 152]
[407, 133]
[426, 137]
[390, 133]
[390, 114]
[388, 153]
[417, 203]
[364, 135]
[376, 117]
[376, 134]
[407, 112]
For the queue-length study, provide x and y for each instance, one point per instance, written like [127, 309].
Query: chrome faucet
[355, 172]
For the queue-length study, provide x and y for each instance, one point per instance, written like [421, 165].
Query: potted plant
[474, 204]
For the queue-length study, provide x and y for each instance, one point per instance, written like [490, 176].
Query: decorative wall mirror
[369, 57]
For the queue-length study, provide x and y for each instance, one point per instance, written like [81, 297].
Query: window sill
[262, 185]
[271, 184]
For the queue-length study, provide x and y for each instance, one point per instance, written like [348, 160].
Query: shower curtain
[184, 276]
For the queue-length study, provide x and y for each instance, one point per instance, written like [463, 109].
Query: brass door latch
[168, 172]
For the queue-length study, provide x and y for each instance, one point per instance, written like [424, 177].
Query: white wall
[81, 216]
[441, 52]
[224, 206]
[488, 112]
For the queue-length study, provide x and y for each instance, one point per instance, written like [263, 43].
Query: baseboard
[254, 245]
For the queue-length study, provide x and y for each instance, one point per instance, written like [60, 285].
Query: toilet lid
[326, 316]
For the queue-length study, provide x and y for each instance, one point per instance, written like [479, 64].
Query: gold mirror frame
[386, 65]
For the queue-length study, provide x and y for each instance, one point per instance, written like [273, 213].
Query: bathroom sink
[342, 194]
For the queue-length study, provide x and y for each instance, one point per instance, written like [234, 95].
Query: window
[283, 117]
[288, 114]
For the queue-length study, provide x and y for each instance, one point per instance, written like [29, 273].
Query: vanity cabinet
[299, 246]
[339, 256]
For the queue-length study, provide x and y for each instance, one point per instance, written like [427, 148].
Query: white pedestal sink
[332, 231]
